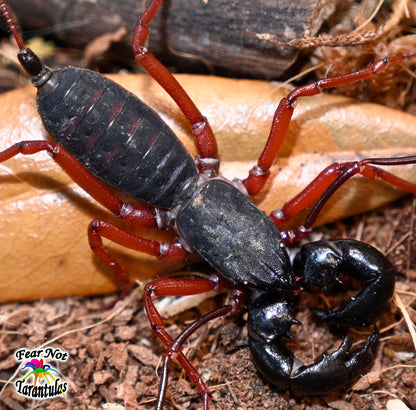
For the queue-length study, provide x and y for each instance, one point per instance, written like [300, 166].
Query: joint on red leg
[140, 36]
[198, 128]
[278, 217]
[164, 219]
[256, 180]
[303, 232]
[150, 290]
[220, 283]
[172, 251]
[292, 99]
[140, 53]
[208, 166]
[317, 86]
[204, 137]
[93, 235]
[379, 65]
[237, 300]
[139, 216]
[290, 236]
[53, 150]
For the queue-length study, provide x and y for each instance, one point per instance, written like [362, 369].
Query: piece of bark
[44, 216]
[216, 34]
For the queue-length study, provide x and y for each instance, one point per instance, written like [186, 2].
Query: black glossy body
[117, 137]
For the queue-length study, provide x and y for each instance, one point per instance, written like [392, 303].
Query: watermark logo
[41, 380]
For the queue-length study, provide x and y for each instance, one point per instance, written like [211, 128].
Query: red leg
[234, 306]
[139, 216]
[205, 139]
[178, 287]
[259, 173]
[99, 229]
[328, 181]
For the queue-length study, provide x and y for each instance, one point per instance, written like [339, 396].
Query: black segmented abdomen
[114, 135]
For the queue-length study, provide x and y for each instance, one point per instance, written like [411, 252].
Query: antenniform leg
[234, 305]
[270, 319]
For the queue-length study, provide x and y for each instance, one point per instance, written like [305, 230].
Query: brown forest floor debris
[114, 356]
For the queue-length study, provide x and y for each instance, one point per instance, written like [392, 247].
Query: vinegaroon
[101, 132]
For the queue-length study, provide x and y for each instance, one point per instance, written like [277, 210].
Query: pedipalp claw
[335, 370]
